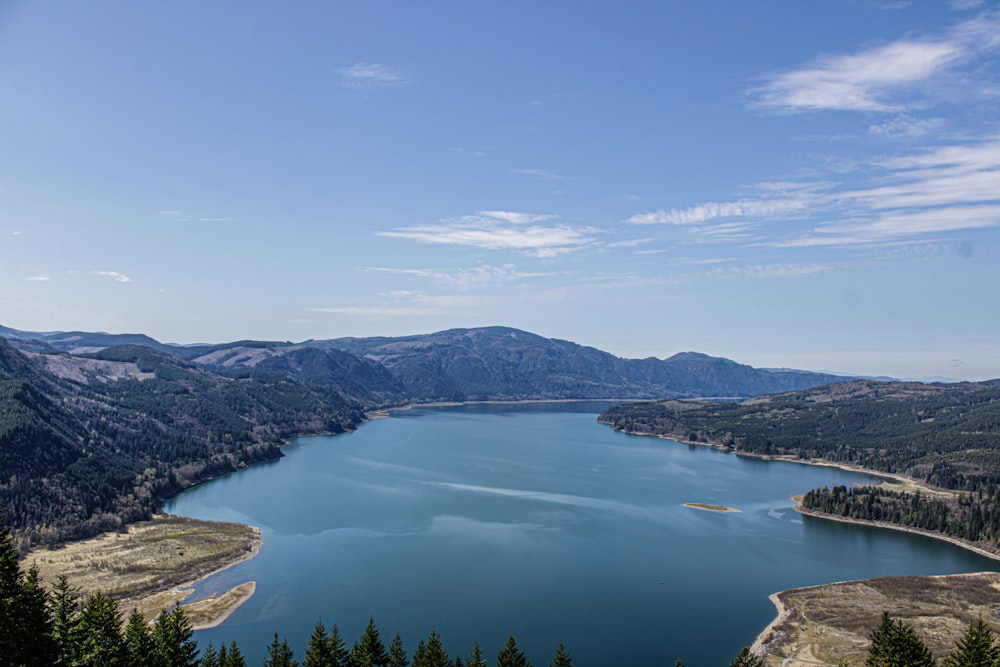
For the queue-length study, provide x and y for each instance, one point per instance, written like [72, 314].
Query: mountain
[500, 363]
[97, 429]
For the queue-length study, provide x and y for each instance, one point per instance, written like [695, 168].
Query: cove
[482, 521]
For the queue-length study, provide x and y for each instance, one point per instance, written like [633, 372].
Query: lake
[482, 521]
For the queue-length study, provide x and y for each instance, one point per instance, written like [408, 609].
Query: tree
[369, 651]
[34, 624]
[747, 659]
[896, 644]
[209, 657]
[280, 654]
[64, 605]
[561, 658]
[318, 648]
[173, 641]
[976, 649]
[139, 647]
[231, 657]
[397, 653]
[100, 631]
[339, 655]
[431, 653]
[511, 656]
[475, 659]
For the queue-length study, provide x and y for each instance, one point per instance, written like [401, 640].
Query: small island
[711, 508]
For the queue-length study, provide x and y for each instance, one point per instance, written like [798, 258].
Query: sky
[783, 183]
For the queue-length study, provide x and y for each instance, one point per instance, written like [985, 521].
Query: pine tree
[977, 648]
[173, 640]
[475, 659]
[231, 657]
[431, 653]
[747, 659]
[397, 653]
[209, 657]
[34, 623]
[280, 654]
[511, 656]
[138, 643]
[64, 607]
[100, 631]
[896, 644]
[318, 648]
[10, 588]
[339, 655]
[561, 658]
[369, 651]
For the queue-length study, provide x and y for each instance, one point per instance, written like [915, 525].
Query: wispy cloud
[113, 275]
[877, 79]
[701, 213]
[406, 303]
[38, 279]
[500, 230]
[466, 278]
[540, 174]
[904, 199]
[370, 75]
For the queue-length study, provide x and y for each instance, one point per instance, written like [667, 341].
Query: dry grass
[151, 564]
[828, 624]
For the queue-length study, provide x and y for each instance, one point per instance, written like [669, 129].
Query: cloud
[38, 279]
[370, 75]
[878, 78]
[113, 275]
[711, 210]
[540, 174]
[170, 213]
[466, 278]
[499, 230]
[515, 217]
[905, 127]
[405, 303]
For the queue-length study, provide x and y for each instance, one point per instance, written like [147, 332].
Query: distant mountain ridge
[96, 429]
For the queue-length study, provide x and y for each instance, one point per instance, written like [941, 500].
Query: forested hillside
[88, 443]
[947, 435]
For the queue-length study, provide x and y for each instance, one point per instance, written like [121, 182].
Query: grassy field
[150, 565]
[825, 625]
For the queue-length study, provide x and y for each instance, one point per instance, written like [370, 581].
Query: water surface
[486, 520]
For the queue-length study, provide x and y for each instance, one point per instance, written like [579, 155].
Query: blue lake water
[534, 520]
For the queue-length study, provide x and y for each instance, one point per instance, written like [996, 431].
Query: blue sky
[800, 184]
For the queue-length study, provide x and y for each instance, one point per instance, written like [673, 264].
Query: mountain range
[97, 429]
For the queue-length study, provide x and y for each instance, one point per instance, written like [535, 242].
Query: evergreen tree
[318, 648]
[747, 659]
[173, 640]
[397, 653]
[34, 623]
[280, 654]
[209, 657]
[64, 605]
[10, 587]
[896, 644]
[138, 643]
[561, 658]
[100, 631]
[369, 651]
[431, 653]
[339, 655]
[231, 657]
[511, 656]
[977, 648]
[458, 662]
[475, 659]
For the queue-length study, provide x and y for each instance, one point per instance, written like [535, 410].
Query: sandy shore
[712, 508]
